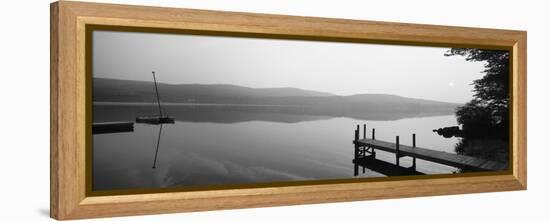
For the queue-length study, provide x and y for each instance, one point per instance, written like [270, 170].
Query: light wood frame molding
[68, 196]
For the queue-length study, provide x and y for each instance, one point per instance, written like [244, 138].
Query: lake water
[209, 146]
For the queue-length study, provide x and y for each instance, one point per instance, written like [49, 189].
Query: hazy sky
[339, 68]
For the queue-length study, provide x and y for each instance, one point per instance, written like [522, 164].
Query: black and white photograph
[175, 110]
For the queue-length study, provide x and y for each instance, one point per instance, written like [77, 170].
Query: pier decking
[365, 151]
[112, 127]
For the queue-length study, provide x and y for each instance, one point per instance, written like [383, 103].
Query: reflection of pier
[382, 167]
[365, 156]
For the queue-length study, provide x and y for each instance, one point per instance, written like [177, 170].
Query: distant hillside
[292, 100]
[142, 91]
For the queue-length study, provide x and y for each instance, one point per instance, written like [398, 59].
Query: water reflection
[157, 149]
[238, 113]
[382, 167]
[218, 147]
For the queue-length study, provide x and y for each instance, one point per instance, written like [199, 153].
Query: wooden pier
[364, 155]
[112, 127]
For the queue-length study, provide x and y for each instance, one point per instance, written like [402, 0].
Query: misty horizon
[328, 94]
[338, 68]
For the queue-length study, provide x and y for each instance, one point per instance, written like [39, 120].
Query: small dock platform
[366, 147]
[112, 127]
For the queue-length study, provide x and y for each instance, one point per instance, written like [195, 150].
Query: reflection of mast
[157, 151]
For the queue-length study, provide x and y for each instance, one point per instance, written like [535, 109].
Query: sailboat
[160, 118]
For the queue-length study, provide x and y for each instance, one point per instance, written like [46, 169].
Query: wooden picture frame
[70, 107]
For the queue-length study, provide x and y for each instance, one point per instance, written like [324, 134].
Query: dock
[112, 127]
[365, 150]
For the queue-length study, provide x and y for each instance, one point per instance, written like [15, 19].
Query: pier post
[414, 146]
[355, 145]
[397, 150]
[364, 131]
[373, 134]
[364, 148]
[355, 152]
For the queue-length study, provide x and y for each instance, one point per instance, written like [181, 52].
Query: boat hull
[155, 120]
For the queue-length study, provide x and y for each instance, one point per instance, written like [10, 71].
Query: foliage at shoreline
[485, 119]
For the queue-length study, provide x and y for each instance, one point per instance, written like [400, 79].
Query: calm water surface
[240, 147]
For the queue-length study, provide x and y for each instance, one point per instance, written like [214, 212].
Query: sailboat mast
[157, 92]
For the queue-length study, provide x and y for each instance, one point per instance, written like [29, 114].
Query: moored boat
[159, 119]
[155, 119]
